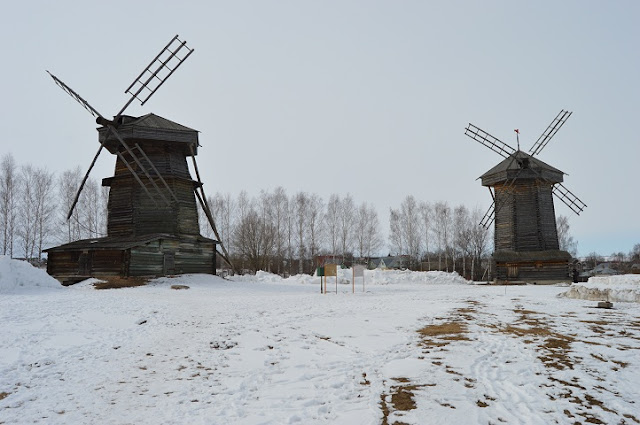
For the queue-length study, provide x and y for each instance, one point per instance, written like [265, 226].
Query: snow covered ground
[414, 348]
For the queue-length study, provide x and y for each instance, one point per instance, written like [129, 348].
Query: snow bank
[376, 277]
[618, 288]
[19, 276]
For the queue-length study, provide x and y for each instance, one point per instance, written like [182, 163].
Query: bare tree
[332, 220]
[410, 223]
[634, 255]
[91, 209]
[301, 207]
[396, 235]
[315, 220]
[223, 211]
[367, 231]
[347, 221]
[8, 203]
[280, 213]
[565, 240]
[462, 235]
[442, 227]
[406, 235]
[243, 206]
[426, 224]
[27, 211]
[254, 240]
[44, 204]
[68, 184]
[480, 237]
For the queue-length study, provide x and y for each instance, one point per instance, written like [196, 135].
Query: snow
[616, 288]
[20, 277]
[266, 350]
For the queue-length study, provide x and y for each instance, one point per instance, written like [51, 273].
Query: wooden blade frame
[569, 199]
[489, 141]
[111, 129]
[157, 72]
[551, 131]
[153, 76]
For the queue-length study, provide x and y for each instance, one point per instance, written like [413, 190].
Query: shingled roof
[149, 127]
[513, 165]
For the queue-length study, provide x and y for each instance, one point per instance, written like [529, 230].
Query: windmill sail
[551, 131]
[489, 141]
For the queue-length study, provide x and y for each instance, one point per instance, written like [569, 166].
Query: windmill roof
[512, 166]
[150, 127]
[151, 120]
[513, 163]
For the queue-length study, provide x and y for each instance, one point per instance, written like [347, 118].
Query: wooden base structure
[151, 255]
[536, 267]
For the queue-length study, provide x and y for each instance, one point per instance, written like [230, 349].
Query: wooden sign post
[330, 270]
[320, 272]
[358, 271]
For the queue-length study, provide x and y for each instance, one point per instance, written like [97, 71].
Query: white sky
[363, 97]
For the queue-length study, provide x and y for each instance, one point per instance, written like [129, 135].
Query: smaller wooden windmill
[525, 236]
[152, 223]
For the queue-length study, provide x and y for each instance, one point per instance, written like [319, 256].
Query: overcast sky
[369, 98]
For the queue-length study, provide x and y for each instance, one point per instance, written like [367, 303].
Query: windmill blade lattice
[75, 96]
[551, 131]
[158, 71]
[570, 200]
[489, 141]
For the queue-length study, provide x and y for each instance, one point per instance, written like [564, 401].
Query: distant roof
[512, 165]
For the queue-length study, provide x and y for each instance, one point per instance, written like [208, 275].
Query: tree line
[271, 231]
[33, 209]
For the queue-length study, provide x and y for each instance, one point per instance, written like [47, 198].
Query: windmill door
[169, 263]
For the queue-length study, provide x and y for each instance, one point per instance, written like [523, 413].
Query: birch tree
[301, 206]
[315, 219]
[346, 223]
[367, 232]
[44, 204]
[332, 220]
[68, 183]
[426, 223]
[8, 203]
[442, 228]
[565, 240]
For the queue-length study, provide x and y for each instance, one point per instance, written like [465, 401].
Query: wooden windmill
[152, 223]
[525, 236]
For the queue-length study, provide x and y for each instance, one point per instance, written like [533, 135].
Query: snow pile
[375, 277]
[618, 288]
[385, 277]
[20, 276]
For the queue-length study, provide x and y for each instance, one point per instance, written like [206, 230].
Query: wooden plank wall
[526, 221]
[534, 271]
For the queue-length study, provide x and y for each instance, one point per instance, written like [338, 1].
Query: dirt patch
[402, 399]
[179, 287]
[121, 282]
[4, 395]
[433, 336]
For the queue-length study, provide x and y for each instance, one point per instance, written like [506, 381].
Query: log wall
[526, 219]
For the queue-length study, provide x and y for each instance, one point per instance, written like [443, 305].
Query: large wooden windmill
[152, 223]
[522, 188]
